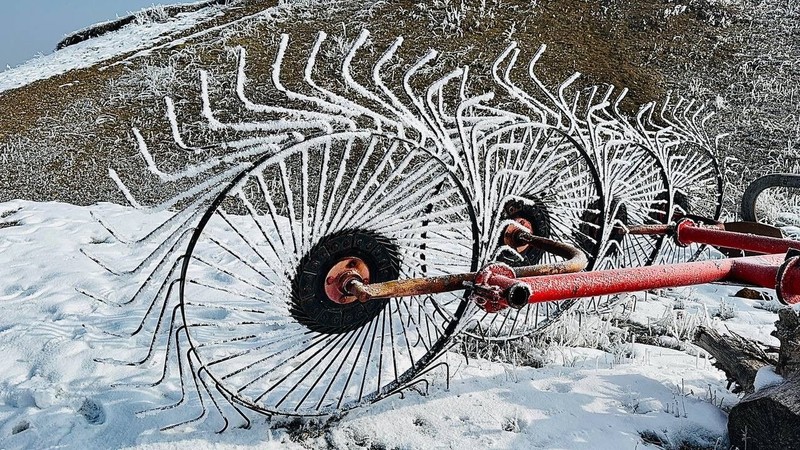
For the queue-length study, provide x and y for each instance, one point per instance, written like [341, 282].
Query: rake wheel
[696, 190]
[257, 304]
[541, 177]
[635, 184]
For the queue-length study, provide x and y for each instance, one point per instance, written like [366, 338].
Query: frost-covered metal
[431, 176]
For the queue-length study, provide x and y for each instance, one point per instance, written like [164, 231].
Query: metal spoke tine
[238, 257]
[332, 343]
[167, 352]
[204, 411]
[226, 291]
[335, 223]
[227, 341]
[392, 343]
[163, 250]
[249, 242]
[366, 370]
[352, 335]
[229, 273]
[321, 188]
[251, 350]
[180, 377]
[149, 354]
[339, 369]
[288, 195]
[265, 191]
[351, 210]
[329, 205]
[223, 306]
[277, 366]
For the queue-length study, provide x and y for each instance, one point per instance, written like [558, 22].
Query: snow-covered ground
[133, 37]
[54, 394]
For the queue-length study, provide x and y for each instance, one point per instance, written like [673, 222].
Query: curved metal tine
[451, 117]
[310, 115]
[278, 124]
[191, 211]
[199, 376]
[156, 269]
[233, 404]
[338, 100]
[412, 385]
[439, 119]
[431, 131]
[245, 148]
[149, 354]
[204, 409]
[528, 100]
[97, 299]
[180, 375]
[211, 187]
[405, 114]
[565, 112]
[167, 352]
[363, 91]
[419, 378]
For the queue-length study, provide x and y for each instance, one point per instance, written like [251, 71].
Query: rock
[751, 294]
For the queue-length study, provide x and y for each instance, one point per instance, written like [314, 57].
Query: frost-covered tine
[195, 170]
[124, 189]
[531, 102]
[155, 333]
[360, 89]
[429, 56]
[437, 86]
[280, 125]
[291, 95]
[176, 133]
[309, 115]
[343, 104]
[410, 118]
[543, 88]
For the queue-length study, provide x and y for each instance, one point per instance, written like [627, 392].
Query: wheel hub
[320, 300]
[341, 275]
[532, 216]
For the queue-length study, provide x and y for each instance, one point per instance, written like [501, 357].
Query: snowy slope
[53, 393]
[129, 39]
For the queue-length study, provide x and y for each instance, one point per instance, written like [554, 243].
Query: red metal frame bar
[498, 286]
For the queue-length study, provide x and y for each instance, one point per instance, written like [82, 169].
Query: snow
[86, 54]
[766, 377]
[54, 393]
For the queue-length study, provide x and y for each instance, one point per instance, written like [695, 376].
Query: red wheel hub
[341, 275]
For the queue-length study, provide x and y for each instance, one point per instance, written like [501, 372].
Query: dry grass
[58, 136]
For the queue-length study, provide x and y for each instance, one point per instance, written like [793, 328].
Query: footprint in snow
[20, 427]
[92, 412]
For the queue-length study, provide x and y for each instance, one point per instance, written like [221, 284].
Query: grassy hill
[59, 135]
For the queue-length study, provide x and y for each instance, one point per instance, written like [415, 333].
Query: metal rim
[277, 365]
[550, 180]
[696, 190]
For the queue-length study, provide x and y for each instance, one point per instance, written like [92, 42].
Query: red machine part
[498, 286]
[777, 270]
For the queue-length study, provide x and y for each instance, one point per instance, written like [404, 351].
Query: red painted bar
[756, 270]
[689, 233]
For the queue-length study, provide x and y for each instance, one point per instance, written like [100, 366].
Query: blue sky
[30, 27]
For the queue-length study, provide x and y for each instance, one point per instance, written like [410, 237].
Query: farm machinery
[335, 248]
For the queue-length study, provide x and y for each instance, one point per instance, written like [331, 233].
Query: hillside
[740, 57]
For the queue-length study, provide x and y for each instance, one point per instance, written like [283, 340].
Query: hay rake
[328, 253]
